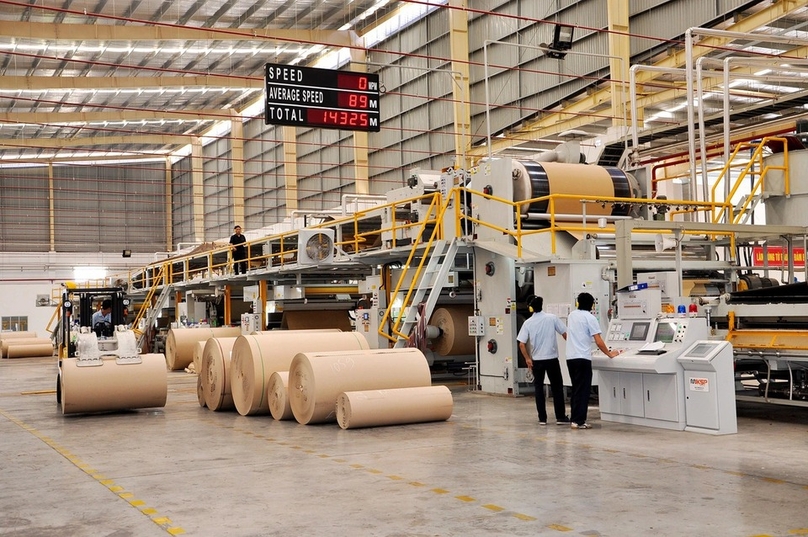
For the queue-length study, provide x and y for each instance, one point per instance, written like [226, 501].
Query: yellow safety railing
[439, 209]
[756, 160]
[157, 284]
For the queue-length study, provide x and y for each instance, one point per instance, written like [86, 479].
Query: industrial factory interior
[277, 267]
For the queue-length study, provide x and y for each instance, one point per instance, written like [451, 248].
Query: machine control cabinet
[643, 385]
[709, 388]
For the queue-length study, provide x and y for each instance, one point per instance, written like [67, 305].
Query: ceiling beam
[52, 143]
[559, 121]
[126, 82]
[52, 118]
[109, 32]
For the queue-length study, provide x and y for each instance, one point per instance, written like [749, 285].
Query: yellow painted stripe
[558, 527]
[374, 471]
[357, 466]
[773, 480]
[492, 507]
[799, 531]
[465, 498]
[164, 522]
[395, 477]
[416, 484]
[440, 491]
[526, 518]
[324, 456]
[339, 460]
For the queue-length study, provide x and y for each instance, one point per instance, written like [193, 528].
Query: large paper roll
[309, 319]
[278, 396]
[199, 348]
[200, 390]
[257, 356]
[30, 350]
[113, 386]
[317, 378]
[17, 335]
[454, 338]
[180, 343]
[393, 407]
[215, 373]
[31, 340]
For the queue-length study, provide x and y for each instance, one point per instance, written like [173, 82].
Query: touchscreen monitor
[665, 332]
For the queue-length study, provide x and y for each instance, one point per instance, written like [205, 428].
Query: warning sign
[777, 256]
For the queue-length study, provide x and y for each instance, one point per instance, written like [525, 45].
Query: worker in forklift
[102, 319]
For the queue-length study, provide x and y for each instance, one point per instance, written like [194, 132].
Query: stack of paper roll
[278, 395]
[113, 386]
[181, 342]
[257, 356]
[316, 379]
[215, 373]
[373, 408]
[27, 347]
[6, 337]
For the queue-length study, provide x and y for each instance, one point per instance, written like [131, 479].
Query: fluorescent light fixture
[85, 274]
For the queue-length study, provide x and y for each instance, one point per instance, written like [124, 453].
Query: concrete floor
[490, 470]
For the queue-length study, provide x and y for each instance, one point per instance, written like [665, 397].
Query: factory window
[14, 323]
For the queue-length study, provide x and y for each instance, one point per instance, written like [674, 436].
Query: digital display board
[323, 98]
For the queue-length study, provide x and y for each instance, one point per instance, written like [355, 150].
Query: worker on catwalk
[582, 329]
[538, 334]
[237, 241]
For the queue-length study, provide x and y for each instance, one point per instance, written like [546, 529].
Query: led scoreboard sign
[323, 98]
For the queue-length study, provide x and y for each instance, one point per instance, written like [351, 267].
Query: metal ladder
[432, 281]
[160, 303]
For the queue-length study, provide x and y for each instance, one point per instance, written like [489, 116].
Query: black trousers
[239, 263]
[581, 377]
[553, 370]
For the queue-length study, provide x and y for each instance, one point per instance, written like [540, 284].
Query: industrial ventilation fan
[315, 246]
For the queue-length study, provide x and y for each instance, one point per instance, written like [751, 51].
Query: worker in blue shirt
[539, 334]
[582, 329]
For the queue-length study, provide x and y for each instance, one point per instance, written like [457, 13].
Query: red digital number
[338, 118]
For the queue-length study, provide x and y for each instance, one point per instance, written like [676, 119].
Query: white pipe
[633, 94]
[689, 33]
[357, 198]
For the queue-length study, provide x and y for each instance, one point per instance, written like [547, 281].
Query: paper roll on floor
[215, 373]
[300, 320]
[373, 408]
[113, 386]
[200, 390]
[454, 338]
[278, 396]
[180, 343]
[199, 348]
[33, 340]
[316, 379]
[31, 350]
[257, 356]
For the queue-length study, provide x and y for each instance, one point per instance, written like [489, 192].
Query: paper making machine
[503, 272]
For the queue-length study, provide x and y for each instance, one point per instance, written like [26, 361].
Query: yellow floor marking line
[558, 527]
[163, 522]
[437, 490]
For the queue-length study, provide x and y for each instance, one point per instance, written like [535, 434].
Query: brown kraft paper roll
[582, 179]
[33, 340]
[394, 407]
[200, 391]
[454, 338]
[30, 351]
[215, 373]
[181, 341]
[316, 379]
[310, 320]
[199, 348]
[113, 386]
[257, 356]
[278, 396]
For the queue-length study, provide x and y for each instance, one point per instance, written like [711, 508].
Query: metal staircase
[155, 309]
[432, 281]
